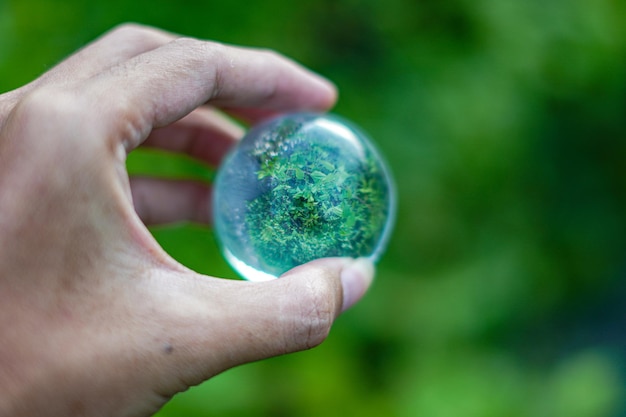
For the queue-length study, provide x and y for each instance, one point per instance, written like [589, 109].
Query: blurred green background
[503, 292]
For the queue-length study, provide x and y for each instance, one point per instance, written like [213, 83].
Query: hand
[95, 318]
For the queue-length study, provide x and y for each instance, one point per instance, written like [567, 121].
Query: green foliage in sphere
[300, 187]
[315, 206]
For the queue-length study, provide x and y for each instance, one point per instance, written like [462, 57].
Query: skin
[95, 318]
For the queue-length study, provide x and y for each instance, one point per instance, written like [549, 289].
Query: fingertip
[356, 278]
[328, 93]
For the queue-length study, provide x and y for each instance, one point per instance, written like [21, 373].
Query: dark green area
[502, 292]
[319, 199]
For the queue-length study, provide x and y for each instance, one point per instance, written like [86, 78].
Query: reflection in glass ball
[300, 187]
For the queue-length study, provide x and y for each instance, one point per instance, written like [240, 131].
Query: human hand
[95, 318]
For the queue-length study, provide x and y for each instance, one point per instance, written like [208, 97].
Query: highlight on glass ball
[300, 187]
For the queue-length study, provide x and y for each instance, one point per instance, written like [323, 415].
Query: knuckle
[49, 106]
[138, 35]
[127, 28]
[280, 71]
[200, 50]
[186, 42]
[208, 56]
[130, 30]
[192, 52]
[315, 314]
[192, 44]
[53, 120]
[49, 129]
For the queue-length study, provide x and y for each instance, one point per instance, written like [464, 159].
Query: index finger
[112, 48]
[161, 86]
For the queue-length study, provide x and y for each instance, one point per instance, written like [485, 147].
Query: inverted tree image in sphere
[299, 187]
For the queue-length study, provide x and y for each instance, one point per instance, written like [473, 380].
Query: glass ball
[299, 187]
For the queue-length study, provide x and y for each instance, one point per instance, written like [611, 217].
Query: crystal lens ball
[300, 187]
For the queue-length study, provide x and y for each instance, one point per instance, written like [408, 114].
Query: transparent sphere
[300, 187]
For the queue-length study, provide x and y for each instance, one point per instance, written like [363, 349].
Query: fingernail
[356, 278]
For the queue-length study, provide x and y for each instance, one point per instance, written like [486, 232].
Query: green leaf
[336, 211]
[318, 176]
[330, 167]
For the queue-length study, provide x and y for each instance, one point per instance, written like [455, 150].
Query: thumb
[301, 306]
[355, 277]
[240, 322]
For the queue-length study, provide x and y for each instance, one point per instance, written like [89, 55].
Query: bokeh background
[503, 291]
